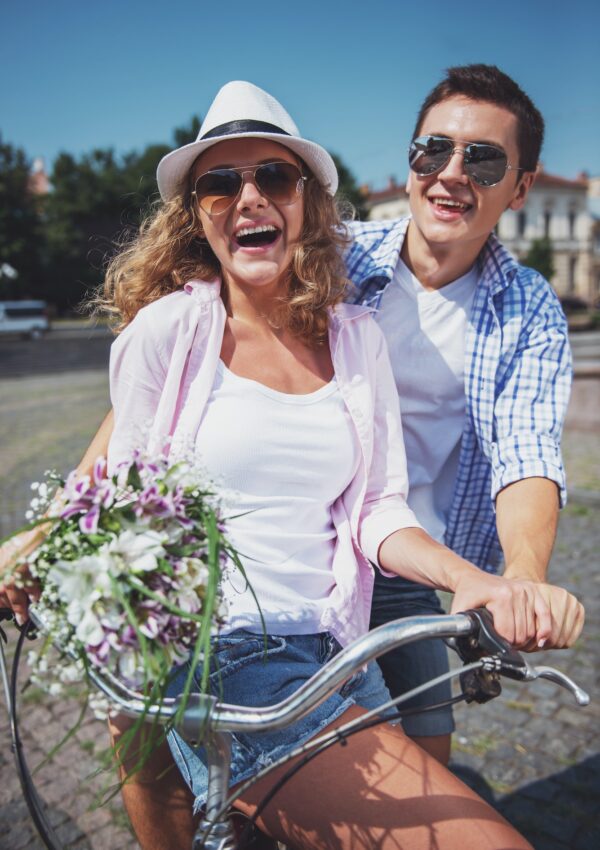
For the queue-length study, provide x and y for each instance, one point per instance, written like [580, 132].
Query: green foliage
[60, 244]
[187, 134]
[349, 190]
[21, 236]
[539, 257]
[95, 200]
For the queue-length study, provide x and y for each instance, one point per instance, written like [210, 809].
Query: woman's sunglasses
[485, 165]
[280, 182]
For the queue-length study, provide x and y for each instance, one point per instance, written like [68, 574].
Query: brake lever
[558, 677]
[500, 659]
[484, 641]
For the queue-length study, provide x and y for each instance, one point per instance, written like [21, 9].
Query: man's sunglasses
[279, 182]
[485, 165]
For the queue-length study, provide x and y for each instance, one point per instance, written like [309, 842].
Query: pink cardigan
[162, 368]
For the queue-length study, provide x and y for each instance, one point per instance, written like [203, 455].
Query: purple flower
[89, 521]
[129, 636]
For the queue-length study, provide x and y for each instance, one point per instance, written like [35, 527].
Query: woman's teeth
[252, 236]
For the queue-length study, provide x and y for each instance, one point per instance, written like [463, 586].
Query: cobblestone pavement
[531, 752]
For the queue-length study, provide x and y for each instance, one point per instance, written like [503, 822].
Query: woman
[230, 300]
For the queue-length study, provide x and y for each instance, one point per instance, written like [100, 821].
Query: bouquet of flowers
[129, 572]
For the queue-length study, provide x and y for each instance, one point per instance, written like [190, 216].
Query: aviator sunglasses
[484, 164]
[279, 182]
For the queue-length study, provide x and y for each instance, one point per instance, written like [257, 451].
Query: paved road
[532, 753]
[586, 346]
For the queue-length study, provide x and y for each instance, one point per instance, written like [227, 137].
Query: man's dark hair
[488, 83]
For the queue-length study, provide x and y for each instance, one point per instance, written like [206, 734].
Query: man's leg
[408, 666]
[157, 800]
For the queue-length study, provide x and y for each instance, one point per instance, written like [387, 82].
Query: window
[572, 270]
[521, 223]
[572, 220]
[547, 223]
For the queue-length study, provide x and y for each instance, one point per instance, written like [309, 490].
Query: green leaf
[133, 477]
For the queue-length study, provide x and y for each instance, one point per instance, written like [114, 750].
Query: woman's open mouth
[257, 236]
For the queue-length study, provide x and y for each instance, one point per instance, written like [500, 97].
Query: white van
[28, 318]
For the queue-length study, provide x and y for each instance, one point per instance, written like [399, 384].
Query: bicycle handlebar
[471, 634]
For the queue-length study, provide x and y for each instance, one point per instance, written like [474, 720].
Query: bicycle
[486, 658]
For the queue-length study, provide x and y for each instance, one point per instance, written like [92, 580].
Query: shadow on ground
[559, 812]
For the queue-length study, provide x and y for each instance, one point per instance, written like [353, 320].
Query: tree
[348, 189]
[539, 257]
[186, 134]
[21, 235]
[97, 199]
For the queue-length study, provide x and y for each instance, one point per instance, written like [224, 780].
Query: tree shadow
[559, 812]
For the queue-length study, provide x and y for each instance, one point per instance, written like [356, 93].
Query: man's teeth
[262, 228]
[448, 202]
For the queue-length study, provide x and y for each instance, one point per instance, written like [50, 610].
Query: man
[480, 354]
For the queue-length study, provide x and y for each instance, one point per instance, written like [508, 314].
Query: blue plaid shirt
[517, 380]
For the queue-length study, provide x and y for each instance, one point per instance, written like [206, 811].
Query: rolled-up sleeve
[385, 509]
[531, 407]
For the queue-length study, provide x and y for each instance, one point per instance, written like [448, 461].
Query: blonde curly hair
[169, 249]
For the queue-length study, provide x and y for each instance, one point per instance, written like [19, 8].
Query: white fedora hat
[240, 111]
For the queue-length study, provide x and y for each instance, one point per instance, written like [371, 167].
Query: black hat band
[243, 126]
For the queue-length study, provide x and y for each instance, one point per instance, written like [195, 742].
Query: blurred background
[93, 96]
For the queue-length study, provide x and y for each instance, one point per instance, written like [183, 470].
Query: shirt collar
[497, 266]
[203, 291]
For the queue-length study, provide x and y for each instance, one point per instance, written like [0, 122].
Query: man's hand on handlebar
[528, 614]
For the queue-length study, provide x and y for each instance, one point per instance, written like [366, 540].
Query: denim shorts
[412, 665]
[244, 674]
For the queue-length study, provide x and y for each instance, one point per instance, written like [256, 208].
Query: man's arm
[528, 476]
[526, 519]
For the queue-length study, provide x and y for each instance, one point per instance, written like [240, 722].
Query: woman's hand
[17, 588]
[528, 614]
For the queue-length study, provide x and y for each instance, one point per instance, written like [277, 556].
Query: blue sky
[78, 75]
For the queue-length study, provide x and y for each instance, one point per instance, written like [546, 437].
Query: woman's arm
[527, 613]
[23, 544]
[99, 445]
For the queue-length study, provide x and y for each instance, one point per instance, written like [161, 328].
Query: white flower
[139, 551]
[87, 578]
[88, 628]
[192, 573]
[128, 665]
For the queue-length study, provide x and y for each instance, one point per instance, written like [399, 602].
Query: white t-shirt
[280, 461]
[425, 332]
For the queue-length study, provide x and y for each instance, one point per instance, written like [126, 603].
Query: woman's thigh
[382, 791]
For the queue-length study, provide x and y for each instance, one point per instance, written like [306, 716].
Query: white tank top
[280, 461]
[425, 332]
